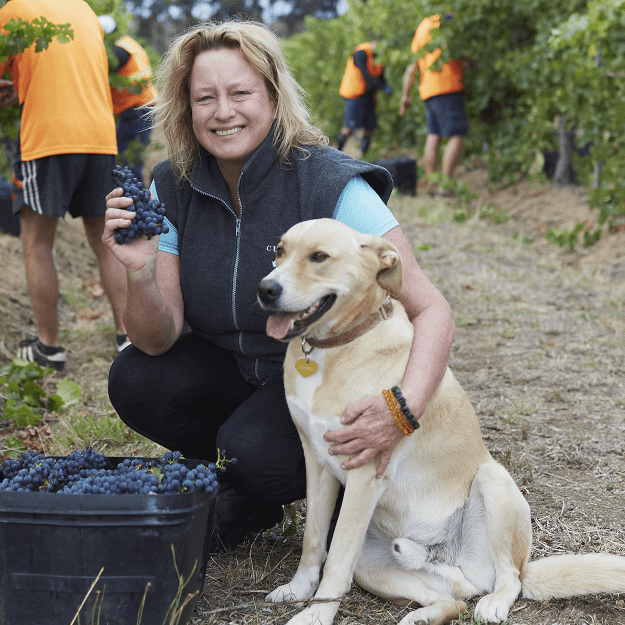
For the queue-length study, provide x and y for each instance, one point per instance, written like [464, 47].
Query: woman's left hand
[369, 431]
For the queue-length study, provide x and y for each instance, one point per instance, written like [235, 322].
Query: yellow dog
[446, 522]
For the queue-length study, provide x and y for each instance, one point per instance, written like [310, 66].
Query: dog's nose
[268, 291]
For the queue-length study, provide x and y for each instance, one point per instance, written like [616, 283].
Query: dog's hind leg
[509, 538]
[321, 493]
[379, 572]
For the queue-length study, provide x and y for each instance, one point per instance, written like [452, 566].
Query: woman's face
[231, 108]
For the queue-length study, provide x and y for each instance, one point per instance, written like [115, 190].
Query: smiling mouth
[285, 326]
[231, 131]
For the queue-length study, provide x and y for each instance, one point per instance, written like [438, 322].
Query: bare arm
[369, 429]
[434, 329]
[410, 76]
[154, 313]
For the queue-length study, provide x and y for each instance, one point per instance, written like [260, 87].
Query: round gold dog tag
[306, 368]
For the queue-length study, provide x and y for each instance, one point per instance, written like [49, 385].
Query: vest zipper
[236, 260]
[236, 268]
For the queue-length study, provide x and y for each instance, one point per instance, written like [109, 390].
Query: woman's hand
[138, 256]
[369, 431]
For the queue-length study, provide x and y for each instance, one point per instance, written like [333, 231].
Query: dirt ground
[539, 349]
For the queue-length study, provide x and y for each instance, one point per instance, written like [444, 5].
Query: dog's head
[326, 275]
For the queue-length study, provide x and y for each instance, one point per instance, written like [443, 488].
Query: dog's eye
[279, 252]
[318, 257]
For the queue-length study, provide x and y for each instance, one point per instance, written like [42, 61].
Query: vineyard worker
[442, 94]
[245, 165]
[133, 120]
[67, 150]
[362, 78]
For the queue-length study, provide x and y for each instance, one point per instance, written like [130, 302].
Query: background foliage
[533, 62]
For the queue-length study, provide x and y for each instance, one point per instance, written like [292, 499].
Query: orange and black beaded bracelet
[398, 415]
[412, 420]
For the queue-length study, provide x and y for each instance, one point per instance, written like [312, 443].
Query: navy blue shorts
[53, 185]
[360, 112]
[445, 115]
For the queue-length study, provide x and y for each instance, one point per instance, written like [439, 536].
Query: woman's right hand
[138, 256]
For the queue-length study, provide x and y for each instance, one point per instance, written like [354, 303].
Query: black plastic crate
[403, 172]
[52, 547]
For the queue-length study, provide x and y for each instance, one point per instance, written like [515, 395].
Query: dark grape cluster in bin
[84, 472]
[150, 214]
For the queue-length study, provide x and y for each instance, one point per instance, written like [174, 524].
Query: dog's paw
[443, 610]
[296, 590]
[409, 554]
[415, 618]
[316, 614]
[491, 609]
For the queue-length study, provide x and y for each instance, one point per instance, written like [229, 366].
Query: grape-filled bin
[53, 547]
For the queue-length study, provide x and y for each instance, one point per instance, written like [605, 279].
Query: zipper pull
[238, 230]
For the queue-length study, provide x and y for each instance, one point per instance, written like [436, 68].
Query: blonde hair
[263, 51]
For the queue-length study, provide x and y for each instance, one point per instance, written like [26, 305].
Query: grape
[150, 214]
[85, 472]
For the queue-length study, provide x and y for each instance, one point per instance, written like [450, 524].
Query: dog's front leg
[321, 493]
[362, 493]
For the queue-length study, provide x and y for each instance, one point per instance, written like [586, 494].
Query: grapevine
[85, 472]
[150, 214]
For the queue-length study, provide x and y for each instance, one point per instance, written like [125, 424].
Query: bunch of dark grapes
[150, 214]
[34, 472]
[84, 472]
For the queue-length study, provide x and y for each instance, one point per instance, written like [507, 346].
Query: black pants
[193, 399]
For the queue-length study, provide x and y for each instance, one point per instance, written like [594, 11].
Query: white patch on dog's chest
[305, 387]
[301, 407]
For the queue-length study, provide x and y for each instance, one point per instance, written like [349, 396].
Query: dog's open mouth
[285, 326]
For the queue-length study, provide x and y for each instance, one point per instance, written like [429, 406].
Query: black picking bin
[52, 547]
[403, 172]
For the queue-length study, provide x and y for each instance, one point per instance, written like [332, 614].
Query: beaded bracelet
[393, 406]
[404, 408]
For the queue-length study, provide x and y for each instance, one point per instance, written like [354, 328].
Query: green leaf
[55, 403]
[26, 416]
[69, 391]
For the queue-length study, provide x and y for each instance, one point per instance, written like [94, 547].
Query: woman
[245, 165]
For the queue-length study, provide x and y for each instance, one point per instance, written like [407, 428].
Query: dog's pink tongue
[278, 325]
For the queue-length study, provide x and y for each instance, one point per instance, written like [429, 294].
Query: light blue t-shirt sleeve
[167, 242]
[360, 207]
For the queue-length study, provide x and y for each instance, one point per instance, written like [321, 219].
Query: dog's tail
[570, 575]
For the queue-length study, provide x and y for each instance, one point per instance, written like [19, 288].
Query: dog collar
[358, 329]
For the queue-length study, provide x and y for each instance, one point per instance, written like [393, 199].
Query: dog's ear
[391, 274]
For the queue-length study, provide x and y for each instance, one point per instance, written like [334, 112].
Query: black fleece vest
[223, 258]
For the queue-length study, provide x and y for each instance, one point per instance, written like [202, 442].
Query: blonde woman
[245, 164]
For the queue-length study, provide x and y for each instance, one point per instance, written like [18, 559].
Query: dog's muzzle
[287, 325]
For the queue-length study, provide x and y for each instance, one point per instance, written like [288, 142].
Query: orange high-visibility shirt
[449, 79]
[136, 68]
[353, 84]
[64, 92]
